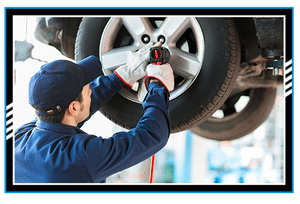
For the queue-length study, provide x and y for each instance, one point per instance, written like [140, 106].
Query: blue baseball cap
[60, 82]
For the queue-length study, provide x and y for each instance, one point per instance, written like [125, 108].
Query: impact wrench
[158, 56]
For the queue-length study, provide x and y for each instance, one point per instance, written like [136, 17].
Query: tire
[235, 124]
[197, 95]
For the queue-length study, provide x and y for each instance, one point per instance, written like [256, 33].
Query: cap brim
[91, 67]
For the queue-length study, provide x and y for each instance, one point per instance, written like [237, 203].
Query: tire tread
[225, 90]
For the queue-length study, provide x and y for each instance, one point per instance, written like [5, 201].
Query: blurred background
[187, 158]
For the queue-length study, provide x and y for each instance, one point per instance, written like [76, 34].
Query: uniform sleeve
[103, 89]
[105, 157]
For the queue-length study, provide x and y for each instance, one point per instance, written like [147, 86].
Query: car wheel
[240, 115]
[204, 54]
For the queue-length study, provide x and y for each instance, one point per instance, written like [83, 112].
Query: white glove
[135, 67]
[163, 73]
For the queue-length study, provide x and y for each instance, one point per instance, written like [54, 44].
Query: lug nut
[161, 39]
[145, 39]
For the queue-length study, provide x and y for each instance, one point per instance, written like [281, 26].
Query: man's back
[50, 153]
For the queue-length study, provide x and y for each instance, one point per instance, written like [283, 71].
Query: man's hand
[162, 73]
[135, 67]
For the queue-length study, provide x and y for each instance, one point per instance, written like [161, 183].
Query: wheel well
[248, 38]
[259, 36]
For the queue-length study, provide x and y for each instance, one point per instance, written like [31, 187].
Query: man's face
[85, 103]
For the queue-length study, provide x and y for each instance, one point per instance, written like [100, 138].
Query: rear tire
[241, 123]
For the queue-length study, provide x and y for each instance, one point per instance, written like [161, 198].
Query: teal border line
[149, 193]
[151, 5]
[294, 98]
[147, 6]
[4, 44]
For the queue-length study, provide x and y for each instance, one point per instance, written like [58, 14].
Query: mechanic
[53, 149]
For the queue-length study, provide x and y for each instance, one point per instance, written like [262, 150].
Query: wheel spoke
[116, 57]
[184, 64]
[173, 28]
[137, 26]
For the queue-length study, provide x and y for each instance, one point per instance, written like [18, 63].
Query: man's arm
[103, 89]
[105, 157]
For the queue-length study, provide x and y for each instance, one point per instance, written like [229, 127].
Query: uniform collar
[59, 127]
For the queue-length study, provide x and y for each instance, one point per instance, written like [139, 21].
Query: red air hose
[152, 168]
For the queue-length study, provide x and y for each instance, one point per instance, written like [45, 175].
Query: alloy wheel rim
[182, 36]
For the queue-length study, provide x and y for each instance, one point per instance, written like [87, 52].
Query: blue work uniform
[58, 153]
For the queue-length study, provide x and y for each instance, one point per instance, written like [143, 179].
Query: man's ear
[73, 108]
